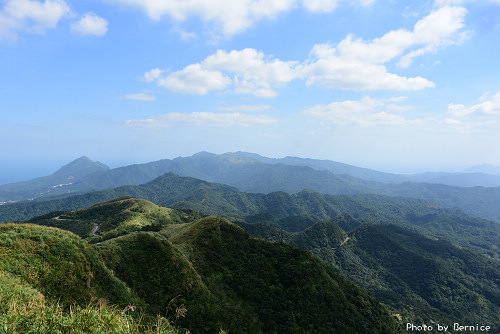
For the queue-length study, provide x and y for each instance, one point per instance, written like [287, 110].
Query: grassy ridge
[58, 264]
[209, 268]
[51, 281]
[226, 279]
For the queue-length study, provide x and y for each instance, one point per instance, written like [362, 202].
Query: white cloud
[152, 75]
[245, 107]
[364, 112]
[229, 17]
[90, 24]
[490, 106]
[247, 71]
[353, 63]
[358, 64]
[139, 97]
[443, 3]
[203, 119]
[439, 29]
[320, 5]
[328, 69]
[194, 79]
[30, 16]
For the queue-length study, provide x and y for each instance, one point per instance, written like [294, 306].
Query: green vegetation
[53, 282]
[30, 318]
[215, 199]
[418, 278]
[116, 217]
[207, 274]
[253, 173]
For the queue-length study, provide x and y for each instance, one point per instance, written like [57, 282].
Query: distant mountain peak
[485, 169]
[80, 167]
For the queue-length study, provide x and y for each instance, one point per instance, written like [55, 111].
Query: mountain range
[253, 173]
[429, 252]
[418, 276]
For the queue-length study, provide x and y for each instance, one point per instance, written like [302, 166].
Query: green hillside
[51, 281]
[420, 279]
[214, 199]
[209, 267]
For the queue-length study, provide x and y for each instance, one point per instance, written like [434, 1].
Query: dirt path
[343, 242]
[94, 230]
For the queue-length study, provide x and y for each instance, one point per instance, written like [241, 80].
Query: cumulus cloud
[327, 68]
[90, 24]
[364, 112]
[229, 17]
[139, 97]
[195, 79]
[489, 106]
[247, 72]
[358, 64]
[203, 119]
[353, 63]
[30, 16]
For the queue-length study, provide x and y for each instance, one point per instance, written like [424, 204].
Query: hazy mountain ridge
[235, 167]
[253, 173]
[59, 182]
[485, 169]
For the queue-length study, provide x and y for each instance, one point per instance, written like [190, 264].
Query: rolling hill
[215, 199]
[209, 267]
[419, 278]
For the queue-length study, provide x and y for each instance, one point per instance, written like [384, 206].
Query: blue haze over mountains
[251, 172]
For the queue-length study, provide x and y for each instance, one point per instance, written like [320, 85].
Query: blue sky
[402, 86]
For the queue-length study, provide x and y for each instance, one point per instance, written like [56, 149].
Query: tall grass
[32, 318]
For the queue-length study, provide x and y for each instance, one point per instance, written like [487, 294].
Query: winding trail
[343, 242]
[94, 230]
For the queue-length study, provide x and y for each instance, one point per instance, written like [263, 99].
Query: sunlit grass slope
[51, 281]
[174, 260]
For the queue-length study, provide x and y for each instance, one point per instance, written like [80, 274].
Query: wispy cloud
[365, 112]
[245, 107]
[203, 119]
[488, 107]
[139, 97]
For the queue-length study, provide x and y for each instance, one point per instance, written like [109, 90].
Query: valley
[421, 260]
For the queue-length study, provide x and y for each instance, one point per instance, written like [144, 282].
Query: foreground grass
[33, 318]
